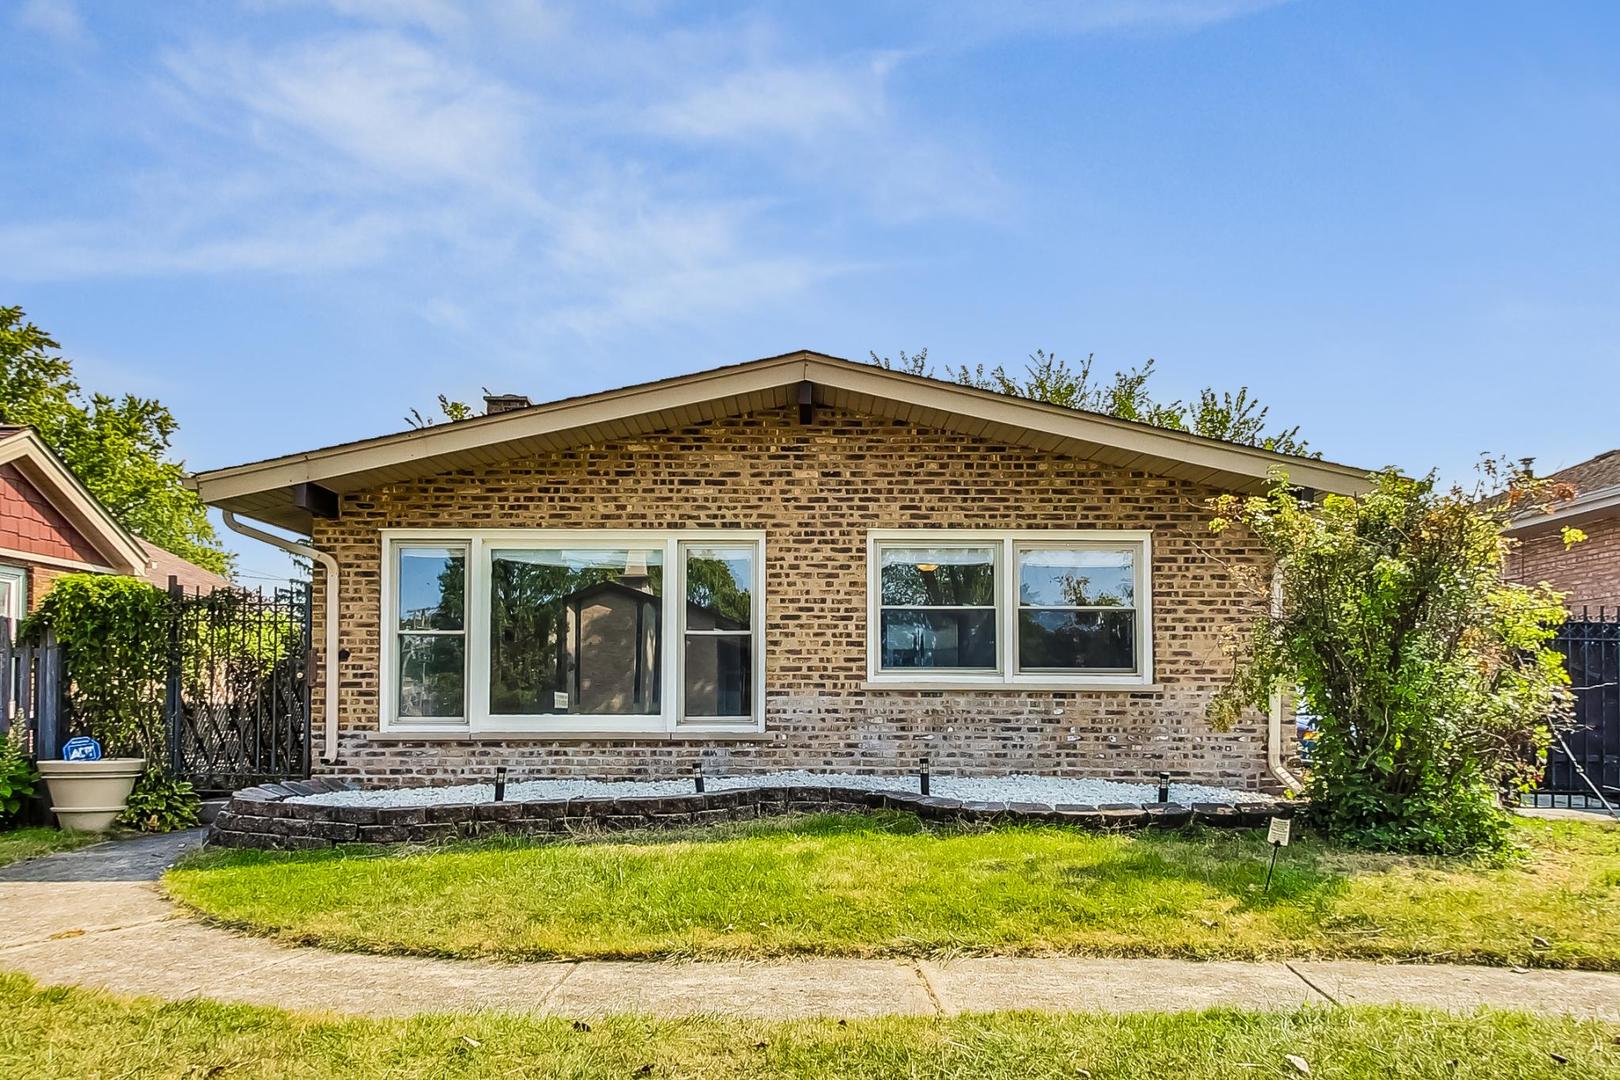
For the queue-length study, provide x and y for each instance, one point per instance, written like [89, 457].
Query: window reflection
[718, 665]
[575, 631]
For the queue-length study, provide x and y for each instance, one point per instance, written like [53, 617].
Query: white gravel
[1016, 788]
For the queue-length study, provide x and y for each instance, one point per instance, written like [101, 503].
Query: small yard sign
[1277, 835]
[81, 748]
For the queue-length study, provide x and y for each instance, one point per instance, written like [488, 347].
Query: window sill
[535, 735]
[1035, 686]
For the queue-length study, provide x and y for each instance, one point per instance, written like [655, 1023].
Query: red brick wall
[816, 491]
[28, 522]
[1588, 572]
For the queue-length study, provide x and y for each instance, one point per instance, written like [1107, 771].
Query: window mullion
[672, 703]
[478, 645]
[1007, 616]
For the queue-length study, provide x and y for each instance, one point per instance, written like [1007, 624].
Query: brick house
[1588, 572]
[869, 569]
[50, 526]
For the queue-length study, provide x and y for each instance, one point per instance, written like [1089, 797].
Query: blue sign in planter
[81, 748]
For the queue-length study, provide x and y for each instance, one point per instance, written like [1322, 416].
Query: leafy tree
[1431, 678]
[119, 449]
[450, 410]
[1233, 417]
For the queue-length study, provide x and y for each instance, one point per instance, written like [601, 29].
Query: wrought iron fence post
[171, 692]
[305, 597]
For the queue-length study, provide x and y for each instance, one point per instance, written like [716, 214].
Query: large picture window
[562, 630]
[968, 608]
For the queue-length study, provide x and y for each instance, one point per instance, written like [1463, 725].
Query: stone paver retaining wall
[261, 817]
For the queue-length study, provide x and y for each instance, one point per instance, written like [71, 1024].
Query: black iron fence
[1591, 743]
[233, 703]
[237, 695]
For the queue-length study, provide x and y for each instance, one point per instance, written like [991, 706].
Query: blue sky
[1398, 223]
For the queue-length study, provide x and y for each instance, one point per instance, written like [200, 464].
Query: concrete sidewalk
[96, 918]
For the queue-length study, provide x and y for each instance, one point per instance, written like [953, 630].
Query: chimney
[499, 403]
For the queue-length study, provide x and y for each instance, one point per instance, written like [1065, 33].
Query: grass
[81, 1033]
[19, 844]
[886, 886]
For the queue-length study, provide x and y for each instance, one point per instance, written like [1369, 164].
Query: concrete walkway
[95, 917]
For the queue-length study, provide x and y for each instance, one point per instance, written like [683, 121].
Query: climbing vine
[114, 636]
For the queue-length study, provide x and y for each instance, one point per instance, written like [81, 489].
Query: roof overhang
[40, 466]
[1581, 510]
[268, 490]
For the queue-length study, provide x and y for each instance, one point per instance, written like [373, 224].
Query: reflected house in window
[609, 650]
[799, 562]
[598, 649]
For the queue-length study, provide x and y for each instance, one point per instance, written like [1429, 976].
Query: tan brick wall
[1589, 572]
[816, 491]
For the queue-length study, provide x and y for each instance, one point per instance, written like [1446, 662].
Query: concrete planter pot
[88, 796]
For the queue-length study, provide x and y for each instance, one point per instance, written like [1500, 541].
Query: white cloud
[803, 103]
[317, 243]
[1016, 17]
[536, 170]
[58, 19]
[383, 102]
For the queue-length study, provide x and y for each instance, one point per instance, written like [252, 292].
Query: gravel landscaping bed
[1050, 790]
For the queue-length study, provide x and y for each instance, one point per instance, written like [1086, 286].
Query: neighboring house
[50, 526]
[876, 569]
[1587, 572]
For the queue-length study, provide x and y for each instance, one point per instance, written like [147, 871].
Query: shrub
[1431, 678]
[161, 803]
[18, 777]
[114, 635]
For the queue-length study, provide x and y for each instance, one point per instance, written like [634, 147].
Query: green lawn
[78, 1033]
[875, 886]
[19, 844]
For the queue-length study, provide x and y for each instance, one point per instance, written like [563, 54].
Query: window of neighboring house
[572, 629]
[971, 607]
[13, 593]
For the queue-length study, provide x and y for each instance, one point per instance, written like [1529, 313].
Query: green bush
[161, 804]
[114, 635]
[18, 777]
[1432, 679]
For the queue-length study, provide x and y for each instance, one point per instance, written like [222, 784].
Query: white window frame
[18, 577]
[1007, 543]
[391, 630]
[478, 720]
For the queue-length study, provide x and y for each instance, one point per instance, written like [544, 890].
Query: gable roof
[21, 448]
[266, 489]
[162, 564]
[1590, 476]
[121, 552]
[1597, 494]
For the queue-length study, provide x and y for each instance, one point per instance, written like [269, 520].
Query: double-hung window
[1056, 609]
[575, 630]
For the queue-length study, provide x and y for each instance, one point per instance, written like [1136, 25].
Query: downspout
[330, 753]
[1274, 725]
